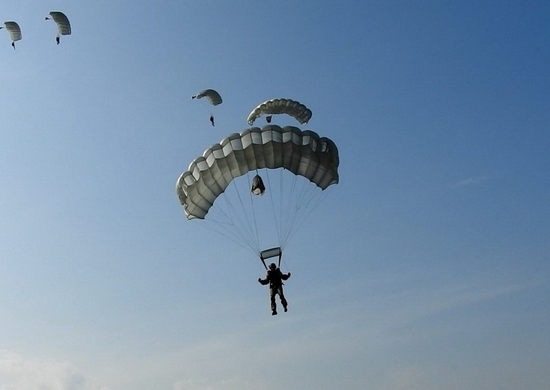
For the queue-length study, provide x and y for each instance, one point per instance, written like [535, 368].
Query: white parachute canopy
[213, 96]
[63, 24]
[281, 106]
[296, 166]
[14, 31]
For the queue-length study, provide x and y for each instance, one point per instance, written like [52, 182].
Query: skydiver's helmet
[272, 266]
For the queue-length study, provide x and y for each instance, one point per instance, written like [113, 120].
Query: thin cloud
[19, 373]
[470, 181]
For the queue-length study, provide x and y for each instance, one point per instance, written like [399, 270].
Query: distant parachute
[14, 30]
[213, 97]
[63, 25]
[281, 106]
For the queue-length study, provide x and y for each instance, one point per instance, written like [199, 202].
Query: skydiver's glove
[259, 280]
[289, 274]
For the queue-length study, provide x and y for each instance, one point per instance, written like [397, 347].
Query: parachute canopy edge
[14, 30]
[63, 24]
[213, 96]
[302, 153]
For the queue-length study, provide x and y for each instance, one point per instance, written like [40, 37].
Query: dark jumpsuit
[275, 279]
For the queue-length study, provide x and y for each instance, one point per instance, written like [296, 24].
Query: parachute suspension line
[288, 198]
[257, 241]
[291, 205]
[252, 229]
[231, 221]
[306, 198]
[285, 209]
[288, 195]
[307, 208]
[224, 225]
[227, 232]
[274, 208]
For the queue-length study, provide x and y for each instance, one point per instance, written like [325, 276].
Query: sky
[425, 267]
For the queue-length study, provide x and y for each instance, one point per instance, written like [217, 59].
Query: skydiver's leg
[283, 299]
[272, 293]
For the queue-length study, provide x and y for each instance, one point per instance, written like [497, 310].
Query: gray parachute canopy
[14, 30]
[302, 153]
[63, 25]
[213, 97]
[281, 106]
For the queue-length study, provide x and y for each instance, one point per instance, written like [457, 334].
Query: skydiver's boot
[274, 312]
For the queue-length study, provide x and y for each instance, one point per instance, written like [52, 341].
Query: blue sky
[426, 267]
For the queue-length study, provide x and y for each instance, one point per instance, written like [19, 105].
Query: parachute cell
[303, 153]
[213, 97]
[281, 106]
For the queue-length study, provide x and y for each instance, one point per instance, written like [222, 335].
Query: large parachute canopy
[281, 106]
[63, 25]
[213, 97]
[297, 167]
[14, 30]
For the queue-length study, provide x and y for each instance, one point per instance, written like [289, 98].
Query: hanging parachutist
[13, 45]
[275, 279]
[268, 118]
[57, 39]
[212, 119]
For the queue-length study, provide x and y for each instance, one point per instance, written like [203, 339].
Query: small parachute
[14, 30]
[281, 106]
[63, 25]
[213, 97]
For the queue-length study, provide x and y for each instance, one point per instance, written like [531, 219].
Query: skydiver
[275, 279]
[13, 45]
[57, 39]
[212, 119]
[268, 118]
